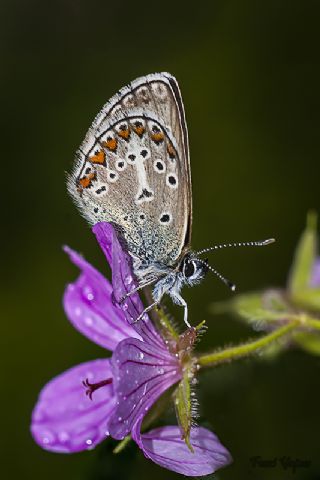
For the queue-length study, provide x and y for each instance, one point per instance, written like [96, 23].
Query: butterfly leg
[176, 297]
[146, 310]
[135, 290]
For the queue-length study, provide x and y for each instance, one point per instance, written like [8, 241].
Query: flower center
[92, 387]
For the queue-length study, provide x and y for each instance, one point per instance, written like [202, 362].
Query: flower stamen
[92, 387]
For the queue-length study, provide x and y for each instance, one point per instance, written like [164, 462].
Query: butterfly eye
[189, 269]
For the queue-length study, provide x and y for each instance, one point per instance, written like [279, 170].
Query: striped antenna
[261, 243]
[227, 282]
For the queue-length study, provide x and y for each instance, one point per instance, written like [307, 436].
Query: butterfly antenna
[260, 243]
[227, 282]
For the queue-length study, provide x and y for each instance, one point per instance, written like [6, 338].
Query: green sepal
[309, 341]
[304, 257]
[244, 305]
[309, 299]
[182, 403]
[261, 307]
[122, 445]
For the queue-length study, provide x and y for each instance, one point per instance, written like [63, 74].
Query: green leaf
[309, 341]
[182, 403]
[304, 257]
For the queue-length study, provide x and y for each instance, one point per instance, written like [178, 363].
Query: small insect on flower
[133, 170]
[112, 397]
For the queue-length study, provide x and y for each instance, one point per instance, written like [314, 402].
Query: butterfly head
[192, 269]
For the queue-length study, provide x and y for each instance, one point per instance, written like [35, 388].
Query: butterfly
[133, 170]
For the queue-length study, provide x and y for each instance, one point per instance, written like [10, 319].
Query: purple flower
[79, 408]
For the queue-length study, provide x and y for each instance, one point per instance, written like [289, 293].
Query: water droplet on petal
[88, 321]
[47, 437]
[161, 371]
[87, 292]
[63, 437]
[119, 419]
[89, 441]
[141, 355]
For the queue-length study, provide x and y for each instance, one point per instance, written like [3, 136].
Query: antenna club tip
[268, 241]
[232, 287]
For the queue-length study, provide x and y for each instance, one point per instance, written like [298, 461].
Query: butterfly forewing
[133, 170]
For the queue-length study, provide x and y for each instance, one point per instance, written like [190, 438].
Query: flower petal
[89, 307]
[141, 374]
[123, 282]
[165, 447]
[65, 419]
[315, 274]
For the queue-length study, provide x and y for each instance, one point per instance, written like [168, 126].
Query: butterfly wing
[133, 170]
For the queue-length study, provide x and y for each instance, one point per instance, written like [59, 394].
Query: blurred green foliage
[249, 74]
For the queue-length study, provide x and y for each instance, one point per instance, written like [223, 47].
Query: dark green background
[249, 74]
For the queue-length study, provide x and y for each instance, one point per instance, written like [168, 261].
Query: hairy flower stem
[312, 323]
[122, 445]
[232, 353]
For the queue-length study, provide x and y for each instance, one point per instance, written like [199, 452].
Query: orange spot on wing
[157, 137]
[124, 133]
[111, 144]
[139, 130]
[98, 157]
[86, 181]
[171, 151]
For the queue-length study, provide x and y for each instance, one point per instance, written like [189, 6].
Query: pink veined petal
[64, 419]
[123, 282]
[315, 275]
[165, 447]
[89, 307]
[141, 374]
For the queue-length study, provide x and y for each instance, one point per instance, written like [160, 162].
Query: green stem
[167, 325]
[248, 348]
[312, 323]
